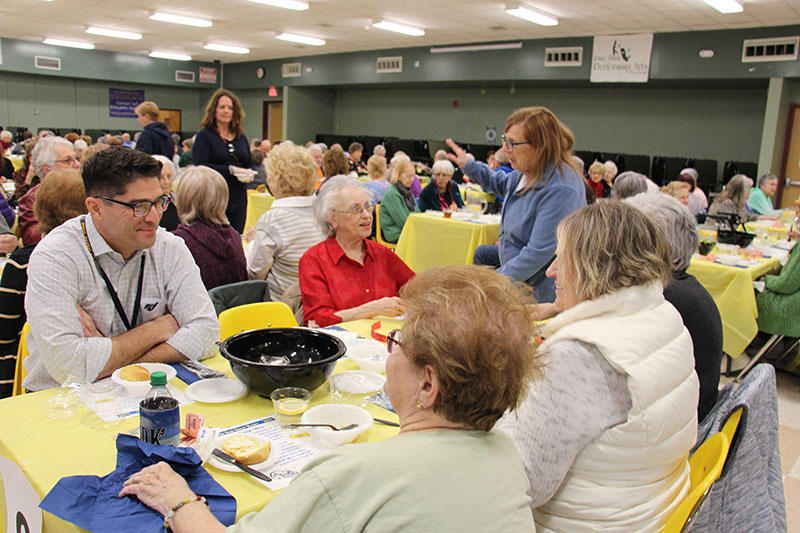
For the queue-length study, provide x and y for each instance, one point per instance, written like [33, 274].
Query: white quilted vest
[633, 475]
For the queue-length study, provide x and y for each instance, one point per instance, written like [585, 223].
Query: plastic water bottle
[159, 415]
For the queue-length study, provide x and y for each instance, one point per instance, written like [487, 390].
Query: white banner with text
[621, 58]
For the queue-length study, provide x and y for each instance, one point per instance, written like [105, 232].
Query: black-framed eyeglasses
[356, 209]
[512, 144]
[141, 208]
[395, 337]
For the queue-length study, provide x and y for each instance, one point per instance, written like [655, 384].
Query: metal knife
[228, 459]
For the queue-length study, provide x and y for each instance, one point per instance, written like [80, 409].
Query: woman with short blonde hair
[606, 435]
[376, 168]
[284, 233]
[215, 245]
[680, 190]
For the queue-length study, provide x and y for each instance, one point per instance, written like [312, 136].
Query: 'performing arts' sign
[621, 58]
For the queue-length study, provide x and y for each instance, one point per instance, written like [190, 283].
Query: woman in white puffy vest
[605, 436]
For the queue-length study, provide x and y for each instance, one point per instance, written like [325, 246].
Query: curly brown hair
[471, 325]
[334, 162]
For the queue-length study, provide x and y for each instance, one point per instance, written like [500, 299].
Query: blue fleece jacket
[529, 220]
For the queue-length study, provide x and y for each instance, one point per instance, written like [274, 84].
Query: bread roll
[246, 449]
[134, 373]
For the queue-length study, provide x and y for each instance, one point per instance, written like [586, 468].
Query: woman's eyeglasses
[512, 144]
[395, 337]
[356, 209]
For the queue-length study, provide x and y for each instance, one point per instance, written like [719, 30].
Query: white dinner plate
[142, 387]
[218, 390]
[274, 455]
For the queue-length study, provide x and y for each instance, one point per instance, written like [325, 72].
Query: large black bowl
[739, 238]
[268, 359]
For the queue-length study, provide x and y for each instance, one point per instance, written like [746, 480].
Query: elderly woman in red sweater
[216, 247]
[347, 276]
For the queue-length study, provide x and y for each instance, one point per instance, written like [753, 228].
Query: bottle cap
[158, 378]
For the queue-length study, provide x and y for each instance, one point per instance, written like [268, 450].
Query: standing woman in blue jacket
[155, 138]
[544, 187]
[222, 145]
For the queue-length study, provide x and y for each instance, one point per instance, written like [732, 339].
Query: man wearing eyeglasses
[50, 153]
[109, 288]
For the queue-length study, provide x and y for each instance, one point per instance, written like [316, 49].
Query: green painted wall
[36, 101]
[717, 123]
[311, 112]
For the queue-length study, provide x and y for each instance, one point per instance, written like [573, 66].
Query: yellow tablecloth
[732, 290]
[48, 450]
[16, 161]
[432, 240]
[257, 204]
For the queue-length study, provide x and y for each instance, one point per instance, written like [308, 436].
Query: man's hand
[89, 329]
[8, 243]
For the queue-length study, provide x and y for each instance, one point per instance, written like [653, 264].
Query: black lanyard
[111, 291]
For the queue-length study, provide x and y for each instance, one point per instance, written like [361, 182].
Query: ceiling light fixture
[227, 48]
[178, 19]
[475, 47]
[114, 33]
[291, 37]
[725, 6]
[398, 28]
[170, 55]
[285, 4]
[70, 44]
[530, 15]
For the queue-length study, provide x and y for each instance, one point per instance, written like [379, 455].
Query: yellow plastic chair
[378, 235]
[732, 424]
[22, 353]
[255, 316]
[705, 468]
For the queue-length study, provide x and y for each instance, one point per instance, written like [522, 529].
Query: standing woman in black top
[222, 145]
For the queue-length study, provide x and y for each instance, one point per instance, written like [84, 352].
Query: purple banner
[122, 102]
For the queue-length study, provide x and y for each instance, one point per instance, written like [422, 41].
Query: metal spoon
[345, 428]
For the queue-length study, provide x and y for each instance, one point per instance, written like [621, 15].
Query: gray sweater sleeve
[580, 396]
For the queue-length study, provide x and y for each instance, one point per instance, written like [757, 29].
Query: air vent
[51, 63]
[390, 64]
[775, 49]
[184, 75]
[291, 70]
[570, 56]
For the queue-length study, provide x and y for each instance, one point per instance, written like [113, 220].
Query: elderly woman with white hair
[347, 276]
[698, 310]
[759, 201]
[733, 199]
[215, 245]
[169, 218]
[442, 192]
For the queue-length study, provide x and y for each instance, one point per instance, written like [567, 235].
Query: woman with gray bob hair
[347, 276]
[699, 312]
[631, 183]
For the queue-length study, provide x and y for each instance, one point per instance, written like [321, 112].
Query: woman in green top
[759, 201]
[465, 355]
[778, 304]
[398, 202]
